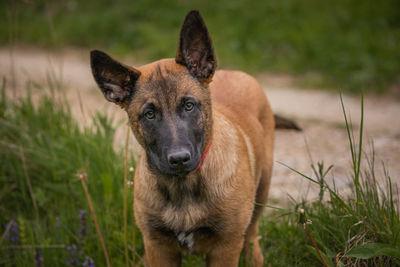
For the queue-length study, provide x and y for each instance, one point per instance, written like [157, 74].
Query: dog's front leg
[226, 254]
[160, 254]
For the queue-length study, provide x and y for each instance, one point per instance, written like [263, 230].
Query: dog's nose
[178, 158]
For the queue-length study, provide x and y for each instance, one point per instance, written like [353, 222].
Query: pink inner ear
[195, 49]
[115, 93]
[197, 63]
[196, 56]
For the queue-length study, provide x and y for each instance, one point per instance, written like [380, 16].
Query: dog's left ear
[116, 80]
[195, 50]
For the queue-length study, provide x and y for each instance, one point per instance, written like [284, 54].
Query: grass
[360, 229]
[46, 219]
[341, 44]
[46, 143]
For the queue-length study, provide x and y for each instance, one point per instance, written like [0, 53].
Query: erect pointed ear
[195, 49]
[115, 79]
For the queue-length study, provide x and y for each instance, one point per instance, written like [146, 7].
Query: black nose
[178, 158]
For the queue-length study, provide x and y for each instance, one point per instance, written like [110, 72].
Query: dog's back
[242, 98]
[240, 92]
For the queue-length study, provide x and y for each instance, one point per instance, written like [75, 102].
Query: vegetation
[46, 219]
[340, 44]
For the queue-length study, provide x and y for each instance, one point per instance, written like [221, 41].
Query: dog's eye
[189, 106]
[150, 114]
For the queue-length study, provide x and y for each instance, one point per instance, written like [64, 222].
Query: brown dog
[207, 139]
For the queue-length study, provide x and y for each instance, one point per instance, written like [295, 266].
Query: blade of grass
[132, 171]
[315, 246]
[357, 174]
[296, 171]
[82, 177]
[6, 231]
[28, 182]
[348, 129]
[126, 198]
[303, 221]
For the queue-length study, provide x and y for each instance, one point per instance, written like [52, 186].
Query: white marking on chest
[186, 240]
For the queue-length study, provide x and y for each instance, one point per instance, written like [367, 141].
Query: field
[347, 45]
[334, 187]
[47, 218]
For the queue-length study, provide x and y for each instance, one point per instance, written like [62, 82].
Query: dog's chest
[182, 219]
[189, 226]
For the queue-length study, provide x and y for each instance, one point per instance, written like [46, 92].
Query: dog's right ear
[116, 80]
[195, 50]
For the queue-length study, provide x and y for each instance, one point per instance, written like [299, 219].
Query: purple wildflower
[13, 233]
[83, 230]
[38, 258]
[76, 250]
[89, 262]
[58, 223]
[73, 256]
[82, 214]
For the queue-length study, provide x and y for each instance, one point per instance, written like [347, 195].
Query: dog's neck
[221, 159]
[205, 153]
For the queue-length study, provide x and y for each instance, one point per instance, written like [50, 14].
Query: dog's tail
[282, 123]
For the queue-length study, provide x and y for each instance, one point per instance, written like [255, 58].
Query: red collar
[204, 154]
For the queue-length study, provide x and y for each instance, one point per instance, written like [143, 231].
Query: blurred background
[55, 123]
[347, 45]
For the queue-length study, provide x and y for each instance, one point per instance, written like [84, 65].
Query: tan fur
[237, 165]
[182, 110]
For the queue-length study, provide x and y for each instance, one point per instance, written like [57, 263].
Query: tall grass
[44, 142]
[42, 149]
[358, 229]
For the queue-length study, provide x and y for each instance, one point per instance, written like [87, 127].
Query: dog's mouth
[180, 170]
[179, 165]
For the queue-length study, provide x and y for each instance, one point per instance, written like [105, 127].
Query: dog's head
[168, 101]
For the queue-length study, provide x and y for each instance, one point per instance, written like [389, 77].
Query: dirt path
[318, 112]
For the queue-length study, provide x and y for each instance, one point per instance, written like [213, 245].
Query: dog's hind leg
[252, 250]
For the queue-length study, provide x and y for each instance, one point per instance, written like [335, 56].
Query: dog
[207, 138]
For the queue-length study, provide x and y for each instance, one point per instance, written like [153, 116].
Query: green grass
[340, 44]
[359, 229]
[42, 148]
[44, 144]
